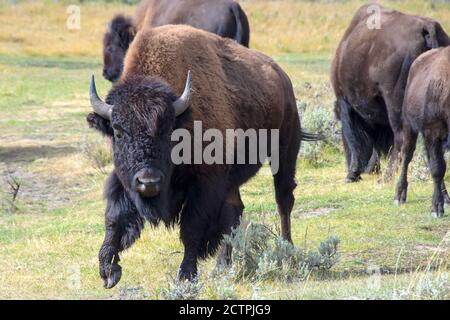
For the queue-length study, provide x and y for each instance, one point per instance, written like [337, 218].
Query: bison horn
[101, 108]
[183, 102]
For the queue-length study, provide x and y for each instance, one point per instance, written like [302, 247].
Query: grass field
[51, 233]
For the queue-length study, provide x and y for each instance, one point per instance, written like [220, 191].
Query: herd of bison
[176, 62]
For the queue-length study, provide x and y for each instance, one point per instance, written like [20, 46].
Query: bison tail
[311, 137]
[435, 36]
[242, 25]
[447, 144]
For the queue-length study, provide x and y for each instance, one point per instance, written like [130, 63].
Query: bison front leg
[445, 193]
[200, 228]
[123, 226]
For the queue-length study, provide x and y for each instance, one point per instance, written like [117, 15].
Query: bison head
[116, 41]
[139, 116]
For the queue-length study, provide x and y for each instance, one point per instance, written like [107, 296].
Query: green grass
[58, 224]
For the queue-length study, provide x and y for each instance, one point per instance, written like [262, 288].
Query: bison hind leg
[358, 141]
[230, 218]
[437, 165]
[374, 165]
[284, 179]
[383, 140]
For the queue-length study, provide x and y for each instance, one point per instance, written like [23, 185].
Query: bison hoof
[353, 179]
[437, 215]
[113, 276]
[398, 203]
[447, 202]
[187, 276]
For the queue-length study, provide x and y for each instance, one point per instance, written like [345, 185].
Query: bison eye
[119, 131]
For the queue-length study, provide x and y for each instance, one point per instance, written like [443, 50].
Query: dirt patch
[132, 293]
[428, 248]
[313, 213]
[35, 192]
[31, 153]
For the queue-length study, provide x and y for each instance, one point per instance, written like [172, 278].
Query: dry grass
[39, 28]
[278, 27]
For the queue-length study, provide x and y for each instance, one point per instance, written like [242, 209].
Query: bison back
[233, 87]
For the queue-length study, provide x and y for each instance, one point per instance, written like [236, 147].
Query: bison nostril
[148, 180]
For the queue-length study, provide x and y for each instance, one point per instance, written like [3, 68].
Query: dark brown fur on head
[120, 33]
[141, 126]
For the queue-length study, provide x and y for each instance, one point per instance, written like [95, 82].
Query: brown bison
[369, 75]
[232, 87]
[426, 109]
[222, 17]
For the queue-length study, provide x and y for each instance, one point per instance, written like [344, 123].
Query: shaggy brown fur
[426, 109]
[233, 88]
[225, 76]
[369, 75]
[222, 17]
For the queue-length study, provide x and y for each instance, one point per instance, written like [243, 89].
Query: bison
[232, 87]
[222, 17]
[426, 109]
[369, 74]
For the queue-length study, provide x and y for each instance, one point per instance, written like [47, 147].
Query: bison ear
[126, 31]
[130, 33]
[126, 36]
[124, 28]
[100, 124]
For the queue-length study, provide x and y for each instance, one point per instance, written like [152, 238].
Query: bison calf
[426, 109]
